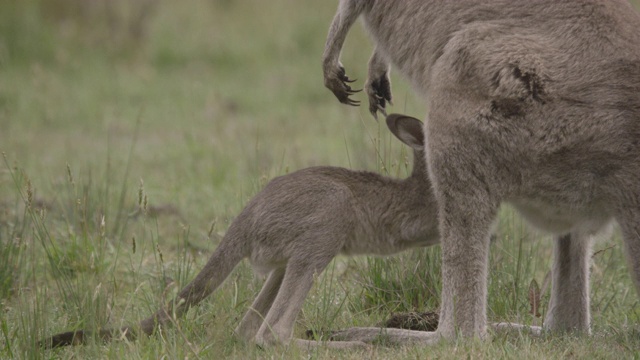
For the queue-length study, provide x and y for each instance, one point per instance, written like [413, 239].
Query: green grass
[130, 142]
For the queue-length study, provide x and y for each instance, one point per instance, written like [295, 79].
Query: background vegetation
[132, 133]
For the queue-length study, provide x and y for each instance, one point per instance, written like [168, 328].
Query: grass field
[132, 133]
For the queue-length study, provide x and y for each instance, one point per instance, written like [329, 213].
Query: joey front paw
[337, 82]
[379, 93]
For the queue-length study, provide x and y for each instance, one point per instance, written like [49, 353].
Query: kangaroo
[533, 103]
[293, 228]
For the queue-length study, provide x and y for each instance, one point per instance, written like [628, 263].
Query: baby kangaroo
[533, 103]
[293, 228]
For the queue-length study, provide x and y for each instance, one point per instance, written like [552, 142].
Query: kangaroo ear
[408, 129]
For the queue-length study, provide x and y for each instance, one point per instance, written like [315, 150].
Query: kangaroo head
[408, 129]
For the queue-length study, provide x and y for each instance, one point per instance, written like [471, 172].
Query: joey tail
[224, 259]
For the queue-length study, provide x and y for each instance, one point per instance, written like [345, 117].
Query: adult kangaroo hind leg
[569, 305]
[568, 308]
[467, 208]
[629, 220]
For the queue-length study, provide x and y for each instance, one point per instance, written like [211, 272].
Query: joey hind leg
[569, 305]
[378, 85]
[296, 284]
[280, 320]
[255, 315]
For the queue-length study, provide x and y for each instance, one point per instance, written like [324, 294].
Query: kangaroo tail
[223, 260]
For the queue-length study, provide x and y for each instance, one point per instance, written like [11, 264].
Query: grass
[130, 142]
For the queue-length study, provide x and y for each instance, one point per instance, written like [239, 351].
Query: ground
[133, 133]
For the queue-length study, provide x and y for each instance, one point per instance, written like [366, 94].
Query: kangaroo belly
[561, 219]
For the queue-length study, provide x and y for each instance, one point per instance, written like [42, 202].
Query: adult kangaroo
[534, 103]
[293, 228]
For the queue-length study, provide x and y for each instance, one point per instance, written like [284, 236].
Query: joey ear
[408, 129]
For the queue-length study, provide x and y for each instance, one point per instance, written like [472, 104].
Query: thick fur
[535, 103]
[293, 228]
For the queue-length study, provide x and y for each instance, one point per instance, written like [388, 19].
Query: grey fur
[534, 103]
[294, 227]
